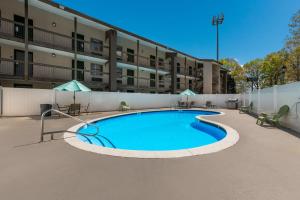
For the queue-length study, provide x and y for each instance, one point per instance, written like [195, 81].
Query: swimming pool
[171, 133]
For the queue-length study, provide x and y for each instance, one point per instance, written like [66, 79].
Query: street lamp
[215, 22]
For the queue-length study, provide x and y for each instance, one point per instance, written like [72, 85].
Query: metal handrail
[64, 114]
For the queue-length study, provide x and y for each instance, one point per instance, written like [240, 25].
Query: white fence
[25, 102]
[269, 100]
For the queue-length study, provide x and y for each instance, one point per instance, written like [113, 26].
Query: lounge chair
[246, 109]
[74, 109]
[124, 106]
[273, 119]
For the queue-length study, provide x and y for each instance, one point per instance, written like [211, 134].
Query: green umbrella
[73, 86]
[187, 93]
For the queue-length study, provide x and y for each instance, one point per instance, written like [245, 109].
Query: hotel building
[44, 44]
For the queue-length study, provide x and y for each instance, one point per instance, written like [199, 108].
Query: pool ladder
[66, 115]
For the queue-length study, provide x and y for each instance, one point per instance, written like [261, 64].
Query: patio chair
[181, 104]
[192, 103]
[86, 108]
[74, 109]
[273, 119]
[124, 106]
[246, 109]
[209, 104]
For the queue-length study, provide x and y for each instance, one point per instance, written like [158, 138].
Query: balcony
[49, 39]
[141, 61]
[14, 69]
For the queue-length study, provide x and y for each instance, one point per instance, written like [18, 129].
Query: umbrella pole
[74, 97]
[187, 101]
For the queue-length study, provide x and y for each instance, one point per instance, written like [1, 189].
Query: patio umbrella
[187, 93]
[73, 86]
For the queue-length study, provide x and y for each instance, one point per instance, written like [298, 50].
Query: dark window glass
[96, 46]
[80, 70]
[178, 83]
[178, 68]
[80, 42]
[152, 80]
[152, 61]
[130, 55]
[97, 79]
[19, 27]
[96, 69]
[160, 62]
[190, 70]
[130, 77]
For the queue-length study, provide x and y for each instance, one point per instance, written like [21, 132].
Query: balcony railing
[46, 72]
[50, 39]
[132, 82]
[11, 68]
[143, 61]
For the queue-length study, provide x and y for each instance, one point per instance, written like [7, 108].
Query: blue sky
[251, 29]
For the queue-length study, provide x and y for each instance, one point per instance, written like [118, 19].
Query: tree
[237, 73]
[254, 72]
[293, 48]
[273, 68]
[293, 40]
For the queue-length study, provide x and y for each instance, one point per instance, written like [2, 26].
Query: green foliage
[276, 68]
[237, 72]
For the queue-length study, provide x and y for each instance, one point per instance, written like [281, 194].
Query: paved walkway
[264, 164]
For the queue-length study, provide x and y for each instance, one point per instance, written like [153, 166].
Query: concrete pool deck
[264, 164]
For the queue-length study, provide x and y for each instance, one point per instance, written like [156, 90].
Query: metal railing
[50, 39]
[66, 115]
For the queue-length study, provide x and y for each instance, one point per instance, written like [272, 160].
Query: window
[190, 84]
[19, 27]
[178, 68]
[190, 70]
[178, 83]
[152, 80]
[97, 79]
[96, 69]
[152, 61]
[130, 55]
[161, 81]
[80, 42]
[119, 81]
[200, 65]
[80, 70]
[119, 53]
[96, 46]
[160, 62]
[22, 85]
[130, 77]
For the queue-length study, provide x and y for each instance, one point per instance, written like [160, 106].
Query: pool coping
[229, 140]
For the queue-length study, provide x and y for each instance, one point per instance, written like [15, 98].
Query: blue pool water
[154, 131]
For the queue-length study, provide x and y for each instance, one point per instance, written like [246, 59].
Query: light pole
[215, 22]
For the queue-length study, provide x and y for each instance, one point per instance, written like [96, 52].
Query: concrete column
[26, 60]
[207, 78]
[218, 71]
[226, 75]
[185, 72]
[111, 35]
[137, 63]
[173, 71]
[75, 49]
[156, 70]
